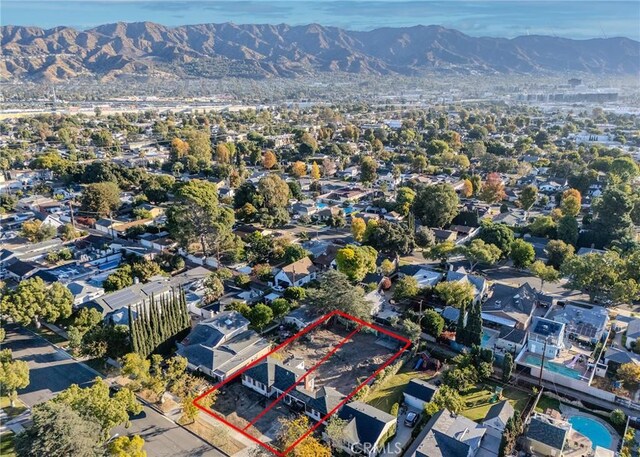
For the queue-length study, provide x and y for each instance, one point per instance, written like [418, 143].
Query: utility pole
[73, 221]
[544, 352]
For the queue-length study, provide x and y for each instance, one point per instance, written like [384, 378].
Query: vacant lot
[352, 363]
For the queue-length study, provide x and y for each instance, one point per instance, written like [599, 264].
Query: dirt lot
[240, 405]
[348, 367]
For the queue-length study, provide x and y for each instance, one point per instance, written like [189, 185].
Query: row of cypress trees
[159, 322]
[471, 333]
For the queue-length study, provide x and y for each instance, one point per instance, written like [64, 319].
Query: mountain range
[261, 51]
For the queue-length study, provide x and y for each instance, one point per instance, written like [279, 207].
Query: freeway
[52, 370]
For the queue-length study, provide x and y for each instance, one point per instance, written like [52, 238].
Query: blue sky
[505, 18]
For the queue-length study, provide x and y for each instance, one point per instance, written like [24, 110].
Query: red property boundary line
[306, 330]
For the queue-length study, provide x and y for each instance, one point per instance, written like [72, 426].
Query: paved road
[52, 371]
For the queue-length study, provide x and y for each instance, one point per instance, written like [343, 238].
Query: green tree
[295, 293]
[618, 417]
[390, 238]
[197, 217]
[441, 251]
[497, 234]
[280, 307]
[405, 197]
[473, 329]
[594, 273]
[436, 205]
[199, 145]
[358, 228]
[293, 253]
[629, 373]
[543, 226]
[480, 252]
[213, 288]
[546, 273]
[445, 397]
[36, 231]
[568, 229]
[94, 403]
[14, 375]
[119, 279]
[522, 253]
[507, 367]
[260, 316]
[407, 287]
[136, 367]
[59, 430]
[612, 216]
[356, 261]
[368, 170]
[31, 301]
[101, 198]
[571, 202]
[528, 197]
[455, 293]
[425, 237]
[127, 446]
[335, 292]
[433, 323]
[557, 252]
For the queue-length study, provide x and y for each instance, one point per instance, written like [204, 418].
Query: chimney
[136, 280]
[309, 383]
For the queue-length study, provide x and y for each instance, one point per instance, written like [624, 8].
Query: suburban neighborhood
[437, 280]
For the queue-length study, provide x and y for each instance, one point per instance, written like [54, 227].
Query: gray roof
[217, 330]
[515, 303]
[514, 335]
[365, 423]
[586, 322]
[503, 410]
[544, 431]
[633, 329]
[621, 356]
[421, 389]
[447, 435]
[460, 275]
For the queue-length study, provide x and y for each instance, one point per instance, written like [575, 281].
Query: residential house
[615, 357]
[510, 339]
[546, 336]
[480, 285]
[83, 292]
[418, 393]
[301, 317]
[547, 436]
[272, 378]
[367, 429]
[19, 270]
[510, 306]
[297, 273]
[222, 345]
[587, 324]
[423, 274]
[633, 333]
[445, 235]
[448, 435]
[496, 419]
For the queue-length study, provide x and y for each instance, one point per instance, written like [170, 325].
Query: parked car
[411, 420]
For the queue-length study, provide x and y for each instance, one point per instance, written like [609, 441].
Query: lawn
[6, 445]
[481, 399]
[49, 335]
[5, 405]
[390, 391]
[547, 403]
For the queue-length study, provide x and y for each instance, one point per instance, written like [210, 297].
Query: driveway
[402, 438]
[52, 370]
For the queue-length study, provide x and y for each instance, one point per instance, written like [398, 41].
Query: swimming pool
[592, 429]
[533, 359]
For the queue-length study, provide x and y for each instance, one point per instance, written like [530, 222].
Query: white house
[295, 274]
[497, 417]
[418, 393]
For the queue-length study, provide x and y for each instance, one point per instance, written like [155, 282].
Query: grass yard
[478, 400]
[547, 403]
[49, 335]
[5, 404]
[390, 391]
[6, 445]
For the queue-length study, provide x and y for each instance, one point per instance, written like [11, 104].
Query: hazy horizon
[570, 19]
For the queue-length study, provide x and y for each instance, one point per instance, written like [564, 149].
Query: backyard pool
[534, 359]
[592, 429]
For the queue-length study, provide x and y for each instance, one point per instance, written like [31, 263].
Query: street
[53, 370]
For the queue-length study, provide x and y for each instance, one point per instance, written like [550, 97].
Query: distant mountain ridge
[259, 51]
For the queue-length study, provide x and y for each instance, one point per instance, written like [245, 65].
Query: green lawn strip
[5, 404]
[479, 400]
[6, 445]
[390, 391]
[547, 403]
[49, 335]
